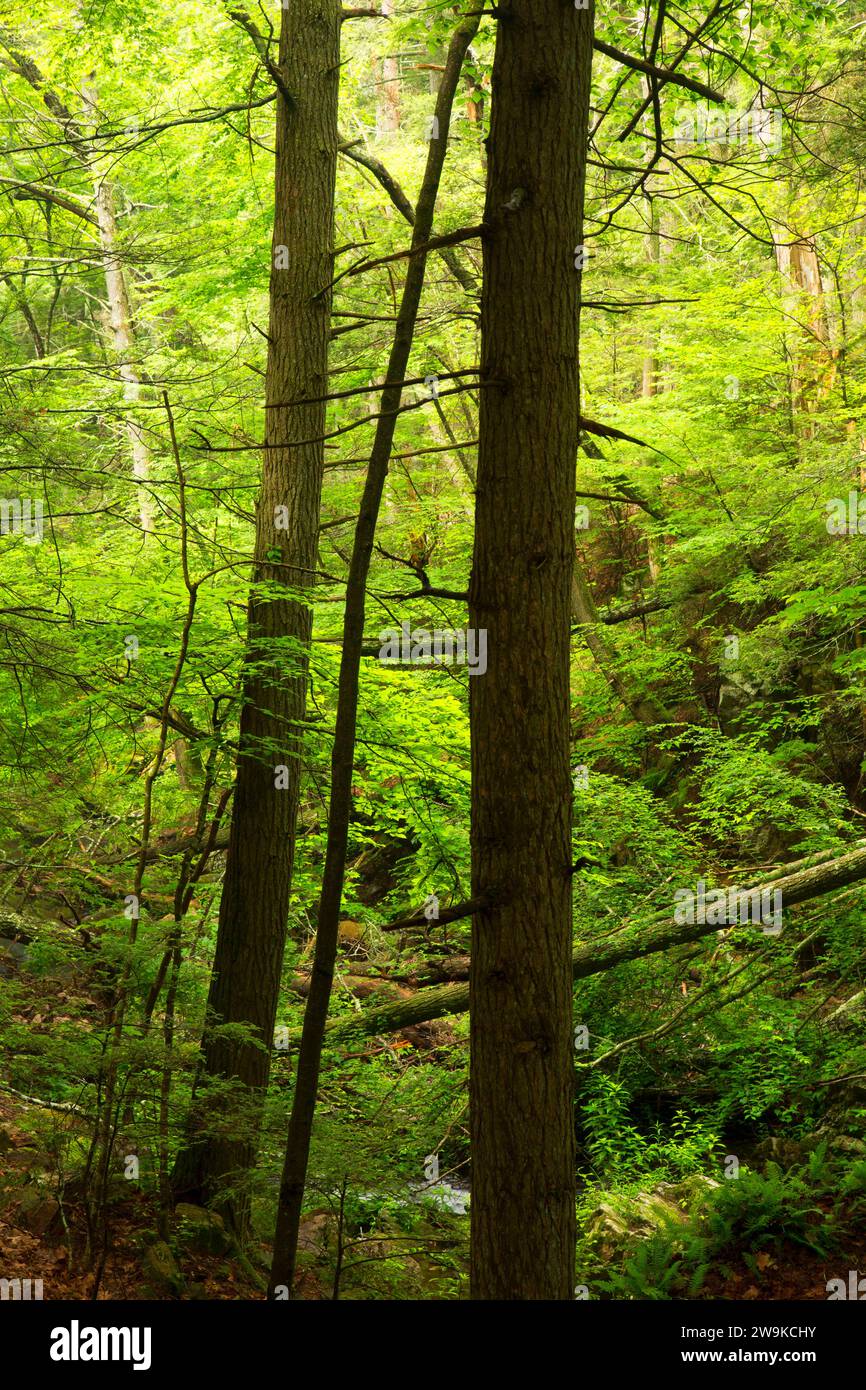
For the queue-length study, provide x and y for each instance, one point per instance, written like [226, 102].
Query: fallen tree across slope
[596, 957]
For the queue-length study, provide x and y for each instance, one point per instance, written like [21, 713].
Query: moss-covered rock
[200, 1230]
[619, 1220]
[161, 1269]
[316, 1232]
[40, 1215]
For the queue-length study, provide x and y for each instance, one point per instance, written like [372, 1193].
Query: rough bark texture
[342, 756]
[255, 897]
[523, 1226]
[807, 330]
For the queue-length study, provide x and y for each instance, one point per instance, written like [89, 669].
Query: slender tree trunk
[120, 320]
[255, 898]
[388, 91]
[652, 248]
[640, 703]
[523, 1187]
[20, 298]
[123, 341]
[342, 757]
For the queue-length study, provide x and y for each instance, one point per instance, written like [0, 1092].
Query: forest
[432, 660]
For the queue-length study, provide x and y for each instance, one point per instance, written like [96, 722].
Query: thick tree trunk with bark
[523, 1224]
[807, 330]
[342, 756]
[255, 897]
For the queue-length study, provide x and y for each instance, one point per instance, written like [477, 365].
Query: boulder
[25, 1159]
[315, 1232]
[667, 1206]
[200, 1230]
[847, 1144]
[788, 1153]
[41, 1215]
[161, 1269]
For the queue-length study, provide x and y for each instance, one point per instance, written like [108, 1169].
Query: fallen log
[596, 957]
[18, 926]
[171, 845]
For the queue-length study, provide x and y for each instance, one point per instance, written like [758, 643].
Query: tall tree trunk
[388, 89]
[120, 326]
[652, 250]
[120, 322]
[641, 703]
[342, 756]
[523, 1189]
[807, 331]
[255, 898]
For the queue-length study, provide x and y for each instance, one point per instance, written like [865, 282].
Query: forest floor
[36, 1244]
[790, 1272]
[39, 1239]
